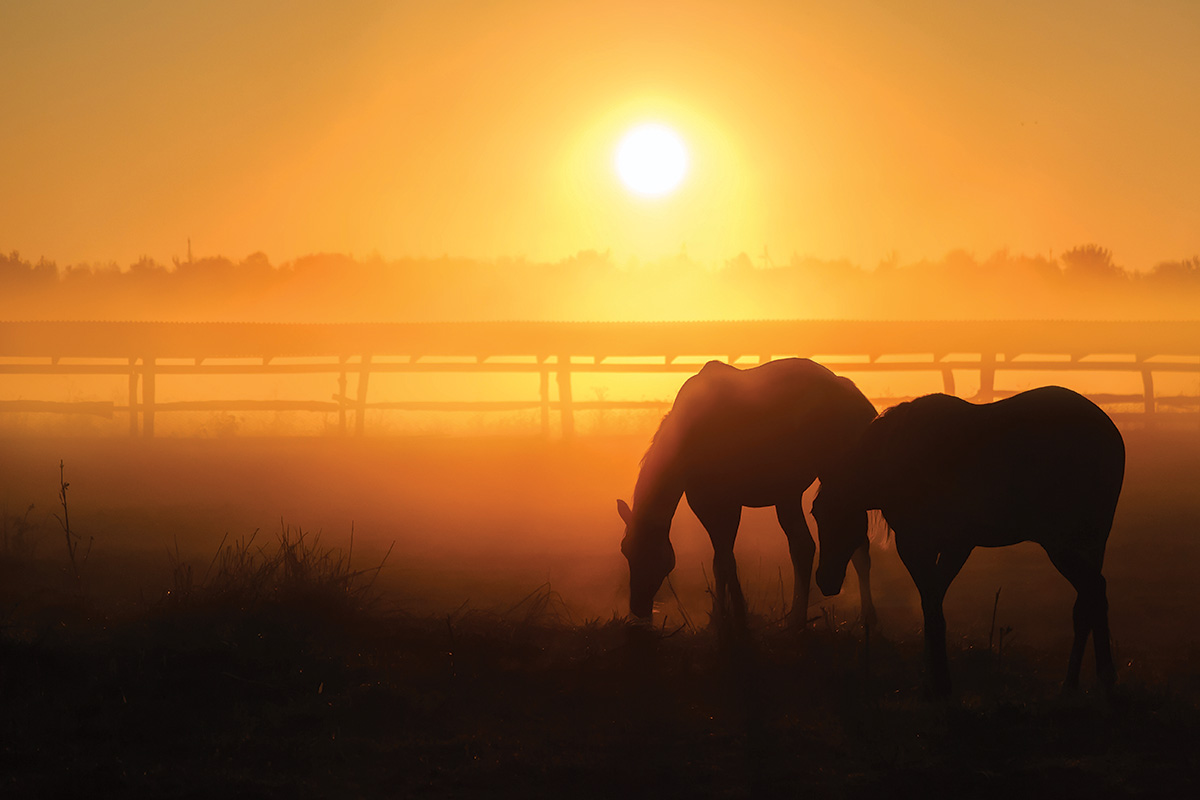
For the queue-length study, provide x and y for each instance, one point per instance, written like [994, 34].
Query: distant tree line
[1083, 282]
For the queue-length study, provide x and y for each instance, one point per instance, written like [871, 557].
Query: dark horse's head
[841, 518]
[647, 547]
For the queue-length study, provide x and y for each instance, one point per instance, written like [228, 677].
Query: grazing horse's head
[841, 529]
[648, 549]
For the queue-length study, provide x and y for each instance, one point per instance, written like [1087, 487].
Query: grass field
[483, 655]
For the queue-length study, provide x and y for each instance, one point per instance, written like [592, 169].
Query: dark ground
[484, 659]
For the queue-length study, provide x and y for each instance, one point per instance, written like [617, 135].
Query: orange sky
[486, 129]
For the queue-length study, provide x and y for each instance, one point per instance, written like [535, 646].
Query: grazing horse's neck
[659, 485]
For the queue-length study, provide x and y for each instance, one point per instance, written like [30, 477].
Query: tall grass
[294, 570]
[17, 539]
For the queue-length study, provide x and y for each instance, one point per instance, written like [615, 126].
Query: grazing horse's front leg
[721, 520]
[932, 571]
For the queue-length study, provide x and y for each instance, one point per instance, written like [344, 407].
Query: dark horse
[734, 438]
[1045, 466]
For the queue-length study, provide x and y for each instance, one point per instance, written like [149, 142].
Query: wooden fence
[144, 351]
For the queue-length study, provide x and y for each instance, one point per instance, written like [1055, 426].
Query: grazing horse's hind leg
[1090, 615]
[721, 520]
[802, 549]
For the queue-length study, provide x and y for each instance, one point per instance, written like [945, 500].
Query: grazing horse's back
[755, 433]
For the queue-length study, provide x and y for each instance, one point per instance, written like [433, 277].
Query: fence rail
[143, 351]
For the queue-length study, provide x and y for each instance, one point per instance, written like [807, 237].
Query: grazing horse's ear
[625, 512]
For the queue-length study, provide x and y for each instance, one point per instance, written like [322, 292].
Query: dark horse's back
[1046, 464]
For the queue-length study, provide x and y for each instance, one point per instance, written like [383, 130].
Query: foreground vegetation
[279, 670]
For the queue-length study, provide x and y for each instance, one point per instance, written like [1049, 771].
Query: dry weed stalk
[1003, 631]
[542, 604]
[73, 539]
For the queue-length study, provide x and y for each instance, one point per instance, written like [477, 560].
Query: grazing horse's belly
[752, 485]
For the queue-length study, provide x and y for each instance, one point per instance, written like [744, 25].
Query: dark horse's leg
[721, 520]
[861, 559]
[802, 549]
[932, 571]
[1090, 614]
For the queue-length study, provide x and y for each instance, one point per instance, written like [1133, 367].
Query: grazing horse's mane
[652, 469]
[654, 439]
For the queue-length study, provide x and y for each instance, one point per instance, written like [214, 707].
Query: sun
[651, 160]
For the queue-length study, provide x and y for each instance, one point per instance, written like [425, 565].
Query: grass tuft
[294, 571]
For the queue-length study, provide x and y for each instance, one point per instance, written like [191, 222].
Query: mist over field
[485, 521]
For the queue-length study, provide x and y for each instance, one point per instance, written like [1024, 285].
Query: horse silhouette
[756, 437]
[1045, 466]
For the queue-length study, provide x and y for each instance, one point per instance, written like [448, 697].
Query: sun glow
[651, 160]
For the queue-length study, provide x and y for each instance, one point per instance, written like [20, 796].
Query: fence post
[341, 396]
[133, 398]
[544, 394]
[987, 377]
[948, 380]
[566, 413]
[148, 397]
[1148, 390]
[361, 398]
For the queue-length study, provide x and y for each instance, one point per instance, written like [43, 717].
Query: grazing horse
[756, 437]
[1045, 466]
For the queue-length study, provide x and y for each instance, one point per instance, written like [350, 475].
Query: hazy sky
[487, 128]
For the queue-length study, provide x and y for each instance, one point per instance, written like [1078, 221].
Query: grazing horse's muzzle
[648, 568]
[640, 609]
[642, 588]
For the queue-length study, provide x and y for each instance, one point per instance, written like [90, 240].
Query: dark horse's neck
[852, 476]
